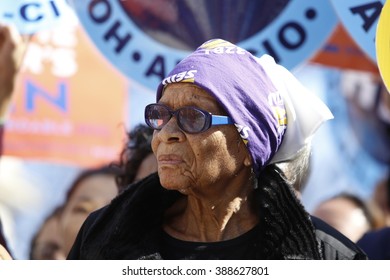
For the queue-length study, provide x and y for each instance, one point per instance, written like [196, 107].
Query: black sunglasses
[190, 119]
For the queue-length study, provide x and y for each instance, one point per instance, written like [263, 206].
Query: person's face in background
[48, 243]
[345, 216]
[91, 194]
[147, 167]
[380, 198]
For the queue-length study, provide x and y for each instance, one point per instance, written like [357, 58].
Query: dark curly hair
[136, 149]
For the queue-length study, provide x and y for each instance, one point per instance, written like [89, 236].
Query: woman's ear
[247, 160]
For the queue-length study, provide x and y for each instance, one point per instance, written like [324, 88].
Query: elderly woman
[223, 118]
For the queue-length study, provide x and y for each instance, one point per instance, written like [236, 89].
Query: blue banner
[145, 41]
[31, 16]
[360, 19]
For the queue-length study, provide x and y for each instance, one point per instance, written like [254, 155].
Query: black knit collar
[129, 228]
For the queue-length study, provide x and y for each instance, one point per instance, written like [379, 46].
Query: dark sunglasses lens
[192, 120]
[156, 116]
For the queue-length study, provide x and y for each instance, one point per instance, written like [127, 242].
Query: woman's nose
[171, 132]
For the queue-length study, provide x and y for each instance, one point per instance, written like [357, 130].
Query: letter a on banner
[360, 18]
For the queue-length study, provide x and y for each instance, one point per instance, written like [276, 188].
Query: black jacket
[376, 244]
[335, 245]
[130, 227]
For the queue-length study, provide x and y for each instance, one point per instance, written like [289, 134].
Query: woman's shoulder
[335, 245]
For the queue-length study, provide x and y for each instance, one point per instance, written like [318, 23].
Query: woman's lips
[170, 159]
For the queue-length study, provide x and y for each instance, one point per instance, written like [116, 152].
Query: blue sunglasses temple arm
[220, 120]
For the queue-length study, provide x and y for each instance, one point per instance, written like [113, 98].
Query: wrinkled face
[203, 163]
[91, 194]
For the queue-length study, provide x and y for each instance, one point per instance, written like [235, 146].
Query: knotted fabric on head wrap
[242, 85]
[305, 111]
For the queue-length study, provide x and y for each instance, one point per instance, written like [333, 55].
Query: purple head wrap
[240, 85]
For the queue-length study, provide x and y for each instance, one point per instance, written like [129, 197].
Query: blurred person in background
[297, 171]
[381, 199]
[347, 213]
[376, 243]
[137, 159]
[91, 190]
[47, 242]
[12, 48]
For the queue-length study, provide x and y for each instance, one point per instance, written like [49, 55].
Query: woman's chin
[172, 181]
